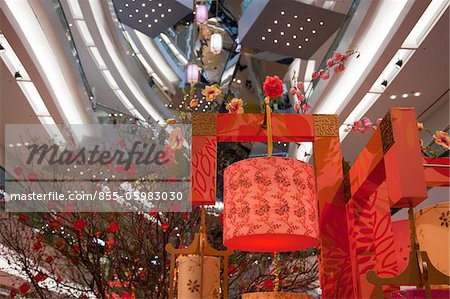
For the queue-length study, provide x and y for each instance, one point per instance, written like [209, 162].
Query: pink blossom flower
[338, 56]
[297, 107]
[339, 68]
[292, 91]
[300, 96]
[306, 107]
[321, 71]
[315, 75]
[300, 85]
[366, 122]
[325, 76]
[330, 62]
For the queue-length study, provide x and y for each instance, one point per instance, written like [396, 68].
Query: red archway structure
[322, 130]
[389, 173]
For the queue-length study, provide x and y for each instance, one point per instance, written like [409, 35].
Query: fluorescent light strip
[103, 27]
[360, 110]
[97, 58]
[28, 88]
[85, 34]
[391, 71]
[110, 79]
[426, 22]
[158, 59]
[119, 93]
[371, 43]
[39, 45]
[75, 9]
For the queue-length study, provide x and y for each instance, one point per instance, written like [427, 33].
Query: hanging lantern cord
[276, 272]
[267, 123]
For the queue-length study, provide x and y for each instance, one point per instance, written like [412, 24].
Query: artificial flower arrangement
[440, 138]
[335, 64]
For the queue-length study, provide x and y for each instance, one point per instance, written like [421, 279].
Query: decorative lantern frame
[323, 130]
[389, 172]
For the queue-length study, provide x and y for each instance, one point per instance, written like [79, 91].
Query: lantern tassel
[268, 123]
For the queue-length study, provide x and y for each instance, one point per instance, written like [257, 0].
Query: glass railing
[80, 71]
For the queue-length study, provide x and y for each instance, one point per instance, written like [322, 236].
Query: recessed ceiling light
[306, 39]
[282, 13]
[320, 23]
[417, 94]
[140, 21]
[162, 15]
[269, 30]
[281, 33]
[405, 95]
[238, 81]
[169, 9]
[275, 22]
[313, 31]
[149, 25]
[126, 4]
[146, 15]
[295, 16]
[393, 97]
[143, 4]
[156, 20]
[120, 10]
[308, 20]
[288, 25]
[153, 10]
[288, 44]
[263, 37]
[294, 36]
[299, 46]
[301, 28]
[160, 4]
[136, 10]
[275, 41]
[130, 15]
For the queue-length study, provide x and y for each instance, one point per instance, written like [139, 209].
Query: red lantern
[270, 205]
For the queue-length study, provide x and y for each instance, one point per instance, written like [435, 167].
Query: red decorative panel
[437, 172]
[203, 170]
[247, 127]
[336, 275]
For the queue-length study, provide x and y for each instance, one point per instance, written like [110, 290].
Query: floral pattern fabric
[270, 196]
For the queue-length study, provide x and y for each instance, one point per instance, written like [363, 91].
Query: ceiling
[132, 65]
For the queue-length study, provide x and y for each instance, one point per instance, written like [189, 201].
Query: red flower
[296, 107]
[23, 218]
[113, 227]
[18, 171]
[300, 96]
[273, 87]
[24, 288]
[39, 277]
[110, 242]
[79, 224]
[300, 85]
[292, 90]
[339, 68]
[164, 226]
[325, 75]
[315, 75]
[49, 259]
[153, 212]
[338, 56]
[12, 293]
[32, 176]
[119, 168]
[330, 62]
[306, 107]
[37, 245]
[268, 284]
[126, 296]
